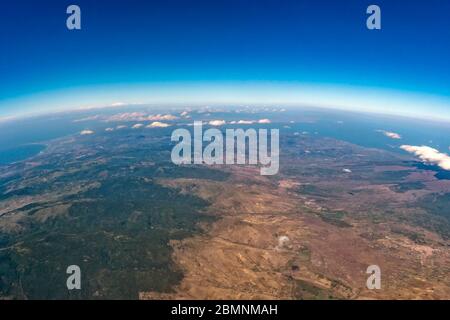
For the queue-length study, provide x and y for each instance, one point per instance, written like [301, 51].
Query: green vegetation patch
[438, 218]
[118, 234]
[304, 290]
[407, 186]
[335, 218]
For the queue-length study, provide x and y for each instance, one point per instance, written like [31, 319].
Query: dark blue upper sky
[164, 41]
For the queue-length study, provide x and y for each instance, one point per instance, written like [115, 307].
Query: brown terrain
[272, 242]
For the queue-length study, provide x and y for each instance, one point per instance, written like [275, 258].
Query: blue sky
[226, 50]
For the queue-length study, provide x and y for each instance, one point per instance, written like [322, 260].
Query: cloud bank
[429, 155]
[139, 116]
[261, 121]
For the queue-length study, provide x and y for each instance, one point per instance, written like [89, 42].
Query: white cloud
[109, 129]
[158, 124]
[159, 117]
[130, 116]
[283, 241]
[184, 113]
[137, 126]
[121, 127]
[85, 132]
[389, 134]
[429, 155]
[127, 116]
[264, 121]
[140, 116]
[245, 122]
[347, 170]
[117, 104]
[217, 122]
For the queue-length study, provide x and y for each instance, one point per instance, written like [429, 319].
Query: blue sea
[24, 138]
